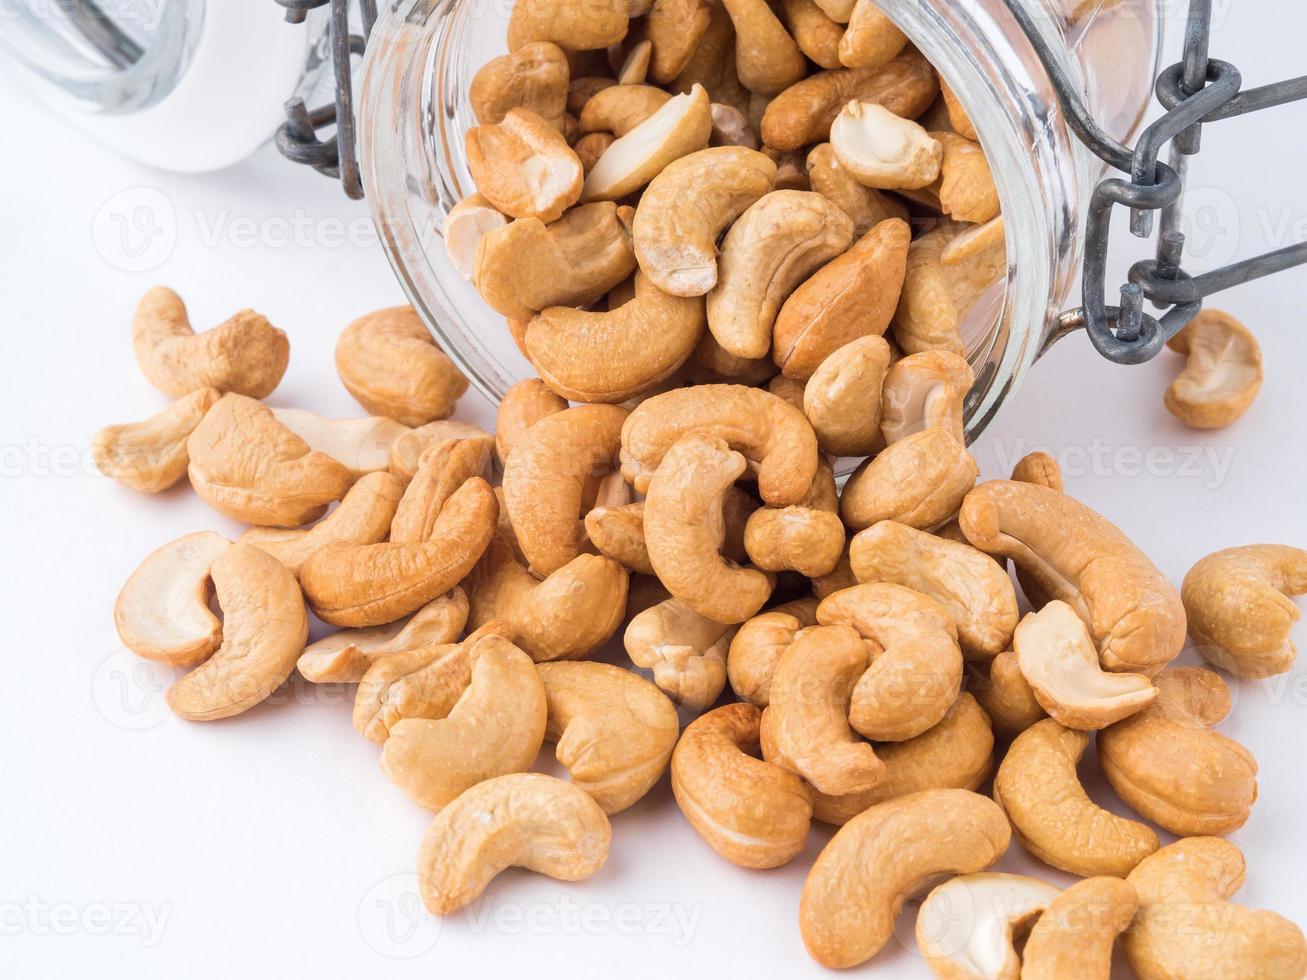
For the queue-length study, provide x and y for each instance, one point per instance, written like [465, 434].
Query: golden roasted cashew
[767, 59]
[852, 297]
[264, 627]
[372, 584]
[568, 615]
[915, 668]
[759, 645]
[867, 207]
[634, 69]
[751, 812]
[775, 245]
[805, 728]
[151, 456]
[545, 478]
[802, 115]
[773, 436]
[523, 166]
[1039, 468]
[615, 731]
[685, 651]
[363, 517]
[1057, 658]
[925, 391]
[1074, 554]
[535, 76]
[1006, 696]
[842, 398]
[441, 471]
[966, 926]
[871, 39]
[389, 363]
[162, 613]
[814, 32]
[522, 406]
[618, 109]
[937, 296]
[957, 115]
[958, 753]
[973, 589]
[920, 481]
[686, 208]
[711, 363]
[1075, 935]
[496, 727]
[1223, 374]
[839, 11]
[1238, 607]
[250, 467]
[524, 820]
[682, 126]
[1038, 788]
[675, 28]
[1187, 927]
[246, 354]
[406, 451]
[1169, 765]
[966, 191]
[573, 27]
[807, 537]
[884, 856]
[345, 656]
[468, 221]
[611, 356]
[618, 533]
[528, 266]
[582, 88]
[360, 445]
[885, 151]
[685, 531]
[974, 241]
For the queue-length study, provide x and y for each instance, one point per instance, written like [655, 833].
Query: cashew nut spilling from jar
[1188, 927]
[682, 126]
[1076, 933]
[759, 644]
[883, 857]
[523, 166]
[885, 151]
[1222, 376]
[1168, 764]
[1053, 816]
[919, 481]
[842, 398]
[524, 820]
[966, 188]
[938, 295]
[246, 354]
[925, 391]
[150, 456]
[535, 77]
[360, 445]
[751, 812]
[1239, 609]
[966, 927]
[685, 650]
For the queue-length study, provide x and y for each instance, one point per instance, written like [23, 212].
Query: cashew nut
[966, 189]
[956, 114]
[685, 651]
[759, 645]
[974, 241]
[1187, 927]
[1169, 765]
[468, 221]
[618, 533]
[866, 206]
[675, 28]
[751, 812]
[264, 626]
[1222, 376]
[925, 391]
[1006, 697]
[1075, 935]
[807, 537]
[919, 481]
[1073, 554]
[497, 727]
[1238, 607]
[682, 126]
[1052, 814]
[937, 296]
[371, 584]
[249, 466]
[590, 147]
[816, 34]
[535, 76]
[591, 26]
[526, 820]
[685, 209]
[840, 11]
[731, 127]
[246, 354]
[885, 151]
[162, 613]
[524, 167]
[151, 456]
[871, 39]
[769, 251]
[522, 406]
[882, 857]
[618, 109]
[766, 57]
[634, 69]
[1039, 468]
[361, 445]
[441, 471]
[842, 398]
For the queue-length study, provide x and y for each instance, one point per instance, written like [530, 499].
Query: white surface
[133, 844]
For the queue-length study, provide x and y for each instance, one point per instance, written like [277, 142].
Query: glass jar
[414, 112]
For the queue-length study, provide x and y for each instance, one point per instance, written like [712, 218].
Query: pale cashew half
[246, 354]
[1057, 657]
[363, 517]
[871, 39]
[937, 296]
[1074, 554]
[1188, 927]
[814, 32]
[1238, 607]
[372, 584]
[685, 209]
[773, 436]
[925, 391]
[568, 615]
[842, 398]
[545, 478]
[766, 57]
[807, 537]
[618, 109]
[682, 126]
[524, 167]
[497, 727]
[151, 456]
[615, 731]
[1053, 816]
[535, 76]
[866, 206]
[973, 241]
[884, 856]
[526, 820]
[345, 656]
[1006, 696]
[685, 651]
[885, 151]
[522, 406]
[249, 466]
[1223, 374]
[751, 812]
[1169, 765]
[759, 645]
[919, 481]
[975, 591]
[1075, 935]
[441, 471]
[406, 451]
[360, 445]
[915, 664]
[263, 630]
[590, 26]
[966, 926]
[769, 251]
[162, 613]
[468, 221]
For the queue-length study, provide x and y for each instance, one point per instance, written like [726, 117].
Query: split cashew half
[966, 926]
[360, 445]
[682, 126]
[151, 456]
[1223, 374]
[885, 151]
[1075, 935]
[469, 221]
[919, 481]
[759, 645]
[685, 651]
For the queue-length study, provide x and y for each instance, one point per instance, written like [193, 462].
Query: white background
[135, 844]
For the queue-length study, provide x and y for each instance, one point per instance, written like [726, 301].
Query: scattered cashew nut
[151, 456]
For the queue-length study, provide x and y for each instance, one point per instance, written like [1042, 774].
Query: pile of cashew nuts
[707, 324]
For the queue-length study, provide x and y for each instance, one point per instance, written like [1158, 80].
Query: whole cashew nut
[675, 29]
[535, 76]
[925, 391]
[1075, 935]
[807, 537]
[966, 186]
[591, 27]
[151, 456]
[441, 471]
[919, 481]
[867, 207]
[1223, 374]
[685, 651]
[759, 645]
[767, 59]
[871, 40]
[524, 167]
[1006, 696]
[938, 295]
[814, 32]
[842, 398]
[1039, 468]
[522, 406]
